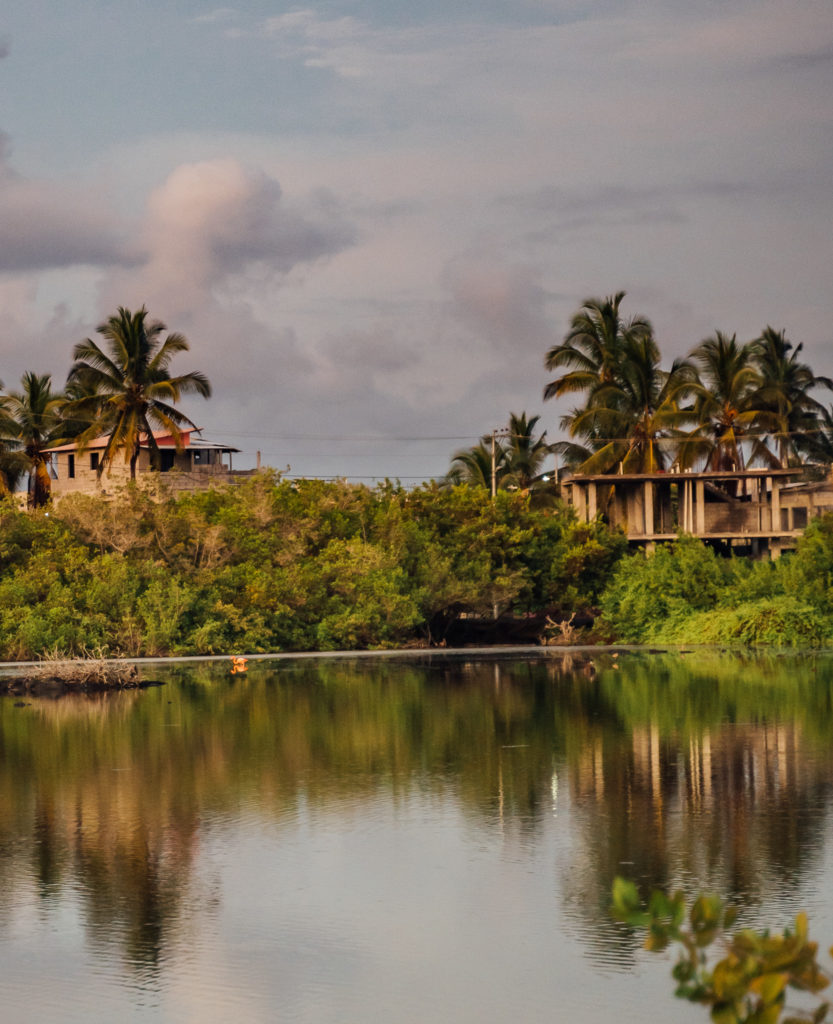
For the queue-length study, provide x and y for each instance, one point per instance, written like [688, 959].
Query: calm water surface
[410, 840]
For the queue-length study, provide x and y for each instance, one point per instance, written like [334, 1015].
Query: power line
[349, 437]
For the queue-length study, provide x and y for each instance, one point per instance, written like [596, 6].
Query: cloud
[214, 221]
[51, 224]
[501, 303]
[821, 56]
[218, 15]
[5, 46]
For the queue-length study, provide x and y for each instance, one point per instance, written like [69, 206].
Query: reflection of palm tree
[133, 391]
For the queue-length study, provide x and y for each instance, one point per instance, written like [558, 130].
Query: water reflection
[706, 771]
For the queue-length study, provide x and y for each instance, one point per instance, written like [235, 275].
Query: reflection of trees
[701, 778]
[704, 772]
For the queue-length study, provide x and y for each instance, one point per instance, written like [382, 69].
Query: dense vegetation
[277, 565]
[687, 593]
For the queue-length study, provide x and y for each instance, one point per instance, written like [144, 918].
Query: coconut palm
[13, 462]
[474, 465]
[524, 453]
[131, 391]
[35, 411]
[592, 348]
[725, 406]
[627, 419]
[788, 413]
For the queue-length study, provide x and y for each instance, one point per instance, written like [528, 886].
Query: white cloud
[212, 220]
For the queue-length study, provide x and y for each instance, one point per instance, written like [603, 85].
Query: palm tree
[35, 411]
[726, 409]
[627, 418]
[514, 454]
[13, 462]
[788, 412]
[524, 453]
[131, 391]
[474, 465]
[592, 348]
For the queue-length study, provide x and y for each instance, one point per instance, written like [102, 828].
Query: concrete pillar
[700, 508]
[636, 515]
[591, 502]
[775, 507]
[649, 508]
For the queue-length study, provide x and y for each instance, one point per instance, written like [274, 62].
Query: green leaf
[769, 987]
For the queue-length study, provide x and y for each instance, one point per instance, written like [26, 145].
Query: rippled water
[414, 840]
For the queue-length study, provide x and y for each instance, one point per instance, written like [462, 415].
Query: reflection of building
[762, 510]
[197, 463]
[728, 805]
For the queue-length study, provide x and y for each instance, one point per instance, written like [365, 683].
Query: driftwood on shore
[80, 675]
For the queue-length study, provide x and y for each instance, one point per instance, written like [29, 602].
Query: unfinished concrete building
[758, 511]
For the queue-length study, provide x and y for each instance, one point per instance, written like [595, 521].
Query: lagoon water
[426, 840]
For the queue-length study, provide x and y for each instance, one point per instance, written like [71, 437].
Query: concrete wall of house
[190, 469]
[78, 473]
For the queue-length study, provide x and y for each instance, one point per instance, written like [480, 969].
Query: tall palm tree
[592, 348]
[131, 389]
[789, 414]
[725, 403]
[13, 462]
[627, 419]
[36, 413]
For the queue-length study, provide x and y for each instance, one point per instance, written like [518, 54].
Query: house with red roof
[195, 463]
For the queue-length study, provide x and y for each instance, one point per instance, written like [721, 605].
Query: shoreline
[13, 668]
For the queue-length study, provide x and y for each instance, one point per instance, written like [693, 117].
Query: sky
[372, 219]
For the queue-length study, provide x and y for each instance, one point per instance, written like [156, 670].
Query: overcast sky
[371, 218]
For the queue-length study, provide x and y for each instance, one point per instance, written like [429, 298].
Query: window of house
[799, 518]
[94, 460]
[71, 465]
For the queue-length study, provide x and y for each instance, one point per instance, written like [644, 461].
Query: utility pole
[498, 432]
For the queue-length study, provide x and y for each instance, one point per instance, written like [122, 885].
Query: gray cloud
[500, 303]
[48, 224]
[5, 46]
[821, 57]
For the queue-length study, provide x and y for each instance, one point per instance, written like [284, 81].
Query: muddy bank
[74, 676]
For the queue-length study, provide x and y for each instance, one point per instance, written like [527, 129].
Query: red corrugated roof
[163, 438]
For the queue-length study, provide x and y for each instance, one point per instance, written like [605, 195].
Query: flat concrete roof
[745, 474]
